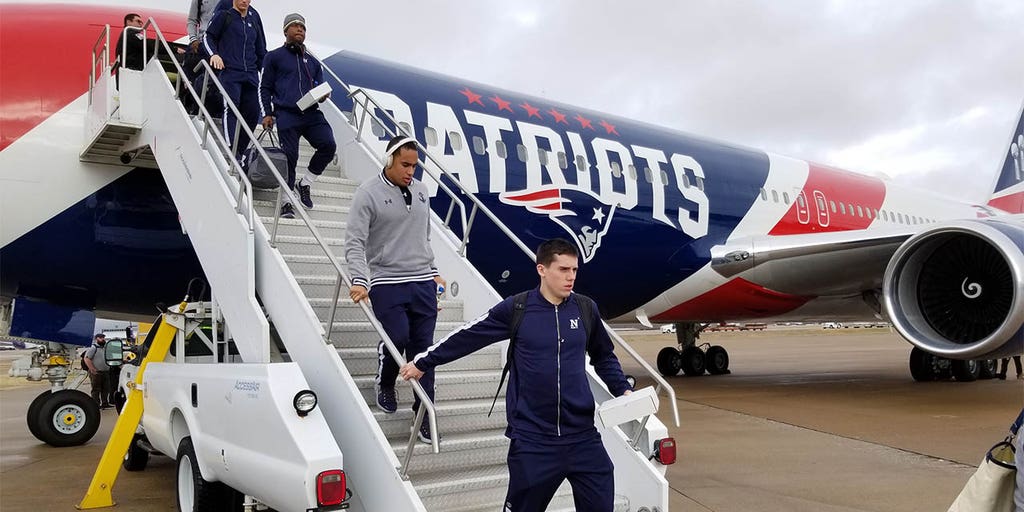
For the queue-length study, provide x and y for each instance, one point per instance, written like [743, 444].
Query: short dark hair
[130, 16]
[100, 335]
[550, 249]
[408, 145]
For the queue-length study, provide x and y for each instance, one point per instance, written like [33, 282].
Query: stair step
[363, 360]
[298, 227]
[362, 334]
[348, 311]
[317, 194]
[320, 211]
[458, 416]
[463, 450]
[448, 386]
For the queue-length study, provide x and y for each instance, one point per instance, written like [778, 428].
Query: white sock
[308, 179]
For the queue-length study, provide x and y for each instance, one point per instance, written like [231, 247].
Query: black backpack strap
[518, 309]
[586, 306]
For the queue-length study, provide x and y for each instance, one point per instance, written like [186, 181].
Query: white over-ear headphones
[389, 157]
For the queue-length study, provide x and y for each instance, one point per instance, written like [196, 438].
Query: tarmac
[809, 420]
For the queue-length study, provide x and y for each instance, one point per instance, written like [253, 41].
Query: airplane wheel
[137, 456]
[987, 369]
[693, 361]
[966, 371]
[194, 493]
[668, 362]
[717, 360]
[922, 365]
[68, 418]
[32, 416]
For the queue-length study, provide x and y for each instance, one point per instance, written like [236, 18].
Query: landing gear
[926, 367]
[691, 358]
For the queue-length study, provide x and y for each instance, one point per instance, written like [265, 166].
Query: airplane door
[803, 214]
[822, 206]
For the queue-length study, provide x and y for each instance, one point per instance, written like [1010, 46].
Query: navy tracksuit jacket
[288, 74]
[241, 44]
[549, 405]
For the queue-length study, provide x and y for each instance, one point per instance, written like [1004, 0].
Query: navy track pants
[536, 471]
[408, 313]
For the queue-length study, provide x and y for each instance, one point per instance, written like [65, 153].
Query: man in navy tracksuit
[288, 74]
[549, 405]
[235, 42]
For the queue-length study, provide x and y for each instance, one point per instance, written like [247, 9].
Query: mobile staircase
[296, 268]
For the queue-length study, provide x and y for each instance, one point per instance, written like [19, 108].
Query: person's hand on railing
[357, 293]
[409, 371]
[268, 122]
[217, 62]
[325, 98]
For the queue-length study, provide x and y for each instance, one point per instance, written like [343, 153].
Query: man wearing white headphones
[288, 74]
[387, 246]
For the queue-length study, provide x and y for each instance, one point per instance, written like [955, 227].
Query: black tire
[693, 361]
[68, 418]
[966, 371]
[668, 362]
[717, 360]
[988, 369]
[137, 456]
[201, 495]
[32, 416]
[119, 400]
[922, 365]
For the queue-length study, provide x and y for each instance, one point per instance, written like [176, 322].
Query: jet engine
[957, 289]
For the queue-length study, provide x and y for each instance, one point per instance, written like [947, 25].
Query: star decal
[584, 122]
[502, 104]
[531, 111]
[471, 96]
[559, 117]
[608, 127]
[598, 215]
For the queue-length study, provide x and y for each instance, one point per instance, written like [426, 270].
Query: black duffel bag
[260, 175]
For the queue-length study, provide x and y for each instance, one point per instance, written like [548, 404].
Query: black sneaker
[424, 433]
[287, 212]
[303, 190]
[387, 399]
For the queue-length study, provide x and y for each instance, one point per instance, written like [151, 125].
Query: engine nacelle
[957, 289]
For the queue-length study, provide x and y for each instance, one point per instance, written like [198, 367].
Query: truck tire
[67, 418]
[195, 494]
[137, 457]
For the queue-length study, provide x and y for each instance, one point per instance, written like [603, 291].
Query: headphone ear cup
[390, 160]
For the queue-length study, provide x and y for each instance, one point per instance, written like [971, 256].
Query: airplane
[719, 232]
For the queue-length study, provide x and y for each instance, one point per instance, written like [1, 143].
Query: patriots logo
[584, 215]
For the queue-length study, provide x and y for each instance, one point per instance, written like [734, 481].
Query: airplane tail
[1008, 193]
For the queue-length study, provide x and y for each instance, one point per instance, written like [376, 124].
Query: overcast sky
[926, 92]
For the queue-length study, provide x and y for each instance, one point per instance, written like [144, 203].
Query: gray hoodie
[199, 16]
[387, 242]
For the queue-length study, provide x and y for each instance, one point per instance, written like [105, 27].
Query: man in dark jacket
[236, 44]
[549, 405]
[288, 74]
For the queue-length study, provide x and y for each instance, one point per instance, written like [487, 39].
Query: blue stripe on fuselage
[638, 257]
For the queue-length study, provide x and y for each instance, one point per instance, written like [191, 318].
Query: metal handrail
[426, 404]
[479, 206]
[105, 38]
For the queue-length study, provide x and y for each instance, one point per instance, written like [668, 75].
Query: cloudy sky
[926, 92]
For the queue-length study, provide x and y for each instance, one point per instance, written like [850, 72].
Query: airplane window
[478, 145]
[616, 170]
[431, 135]
[876, 213]
[456, 141]
[376, 128]
[664, 177]
[648, 175]
[405, 126]
[563, 161]
[833, 205]
[631, 172]
[842, 208]
[800, 201]
[700, 183]
[764, 195]
[521, 151]
[821, 204]
[785, 197]
[860, 211]
[899, 218]
[542, 155]
[775, 195]
[581, 163]
[500, 149]
[886, 216]
[686, 181]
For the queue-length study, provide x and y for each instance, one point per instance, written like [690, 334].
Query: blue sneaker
[287, 212]
[387, 399]
[424, 433]
[303, 191]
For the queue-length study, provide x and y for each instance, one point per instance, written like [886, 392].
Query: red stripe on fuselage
[44, 57]
[736, 299]
[835, 186]
[1013, 203]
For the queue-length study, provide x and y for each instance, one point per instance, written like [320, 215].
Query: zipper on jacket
[558, 332]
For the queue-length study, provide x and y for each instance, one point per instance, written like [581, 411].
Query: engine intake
[957, 289]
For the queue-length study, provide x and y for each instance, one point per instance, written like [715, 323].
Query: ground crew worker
[96, 362]
[549, 405]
